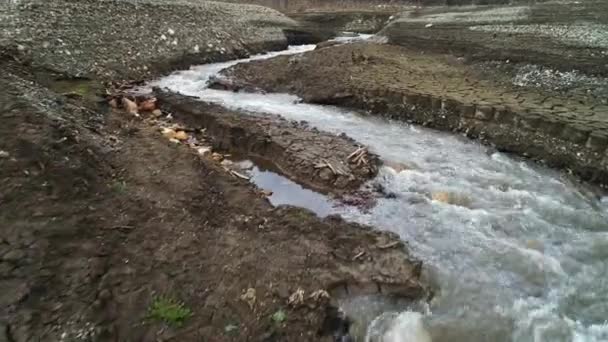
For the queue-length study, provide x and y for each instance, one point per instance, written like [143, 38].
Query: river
[521, 256]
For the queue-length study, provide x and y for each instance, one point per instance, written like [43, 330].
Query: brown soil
[443, 92]
[100, 214]
[316, 159]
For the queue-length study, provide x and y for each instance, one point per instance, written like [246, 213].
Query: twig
[330, 167]
[240, 175]
[389, 245]
[357, 151]
[121, 227]
[359, 255]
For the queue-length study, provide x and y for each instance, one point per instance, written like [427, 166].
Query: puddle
[285, 191]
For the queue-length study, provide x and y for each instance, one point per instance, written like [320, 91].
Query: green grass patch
[119, 186]
[169, 311]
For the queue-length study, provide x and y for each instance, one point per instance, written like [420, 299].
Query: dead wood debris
[359, 157]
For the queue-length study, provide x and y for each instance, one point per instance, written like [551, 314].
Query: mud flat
[568, 131]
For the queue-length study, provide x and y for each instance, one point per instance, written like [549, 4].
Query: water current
[525, 258]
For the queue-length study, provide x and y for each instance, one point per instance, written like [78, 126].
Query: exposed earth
[115, 228]
[101, 214]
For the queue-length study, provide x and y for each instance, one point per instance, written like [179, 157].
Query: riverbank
[111, 231]
[567, 130]
[102, 215]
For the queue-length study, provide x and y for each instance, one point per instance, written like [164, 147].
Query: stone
[181, 136]
[169, 133]
[484, 113]
[598, 141]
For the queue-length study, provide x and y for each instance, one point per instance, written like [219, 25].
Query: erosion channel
[516, 251]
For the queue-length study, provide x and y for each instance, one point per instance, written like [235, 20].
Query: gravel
[111, 39]
[474, 15]
[584, 34]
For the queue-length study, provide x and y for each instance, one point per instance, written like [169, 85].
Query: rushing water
[526, 259]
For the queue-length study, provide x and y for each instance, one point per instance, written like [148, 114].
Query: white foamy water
[526, 258]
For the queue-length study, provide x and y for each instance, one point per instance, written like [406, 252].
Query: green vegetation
[279, 317]
[119, 186]
[169, 310]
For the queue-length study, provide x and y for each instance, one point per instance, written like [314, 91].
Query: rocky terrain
[565, 35]
[135, 39]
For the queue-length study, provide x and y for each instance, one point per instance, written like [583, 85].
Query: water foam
[525, 261]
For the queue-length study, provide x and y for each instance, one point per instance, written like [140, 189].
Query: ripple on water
[525, 261]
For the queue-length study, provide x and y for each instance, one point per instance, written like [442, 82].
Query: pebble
[4, 154]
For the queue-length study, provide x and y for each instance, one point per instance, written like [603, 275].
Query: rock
[441, 196]
[181, 135]
[398, 167]
[157, 113]
[147, 105]
[326, 174]
[249, 297]
[296, 298]
[203, 150]
[169, 133]
[129, 106]
[4, 154]
[451, 198]
[217, 157]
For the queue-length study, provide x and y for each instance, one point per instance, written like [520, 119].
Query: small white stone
[171, 32]
[163, 37]
[196, 49]
[174, 42]
[209, 45]
[4, 154]
[20, 47]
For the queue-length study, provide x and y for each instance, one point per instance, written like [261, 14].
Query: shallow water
[524, 259]
[287, 192]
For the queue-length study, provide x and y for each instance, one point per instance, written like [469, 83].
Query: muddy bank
[101, 216]
[569, 132]
[316, 159]
[135, 39]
